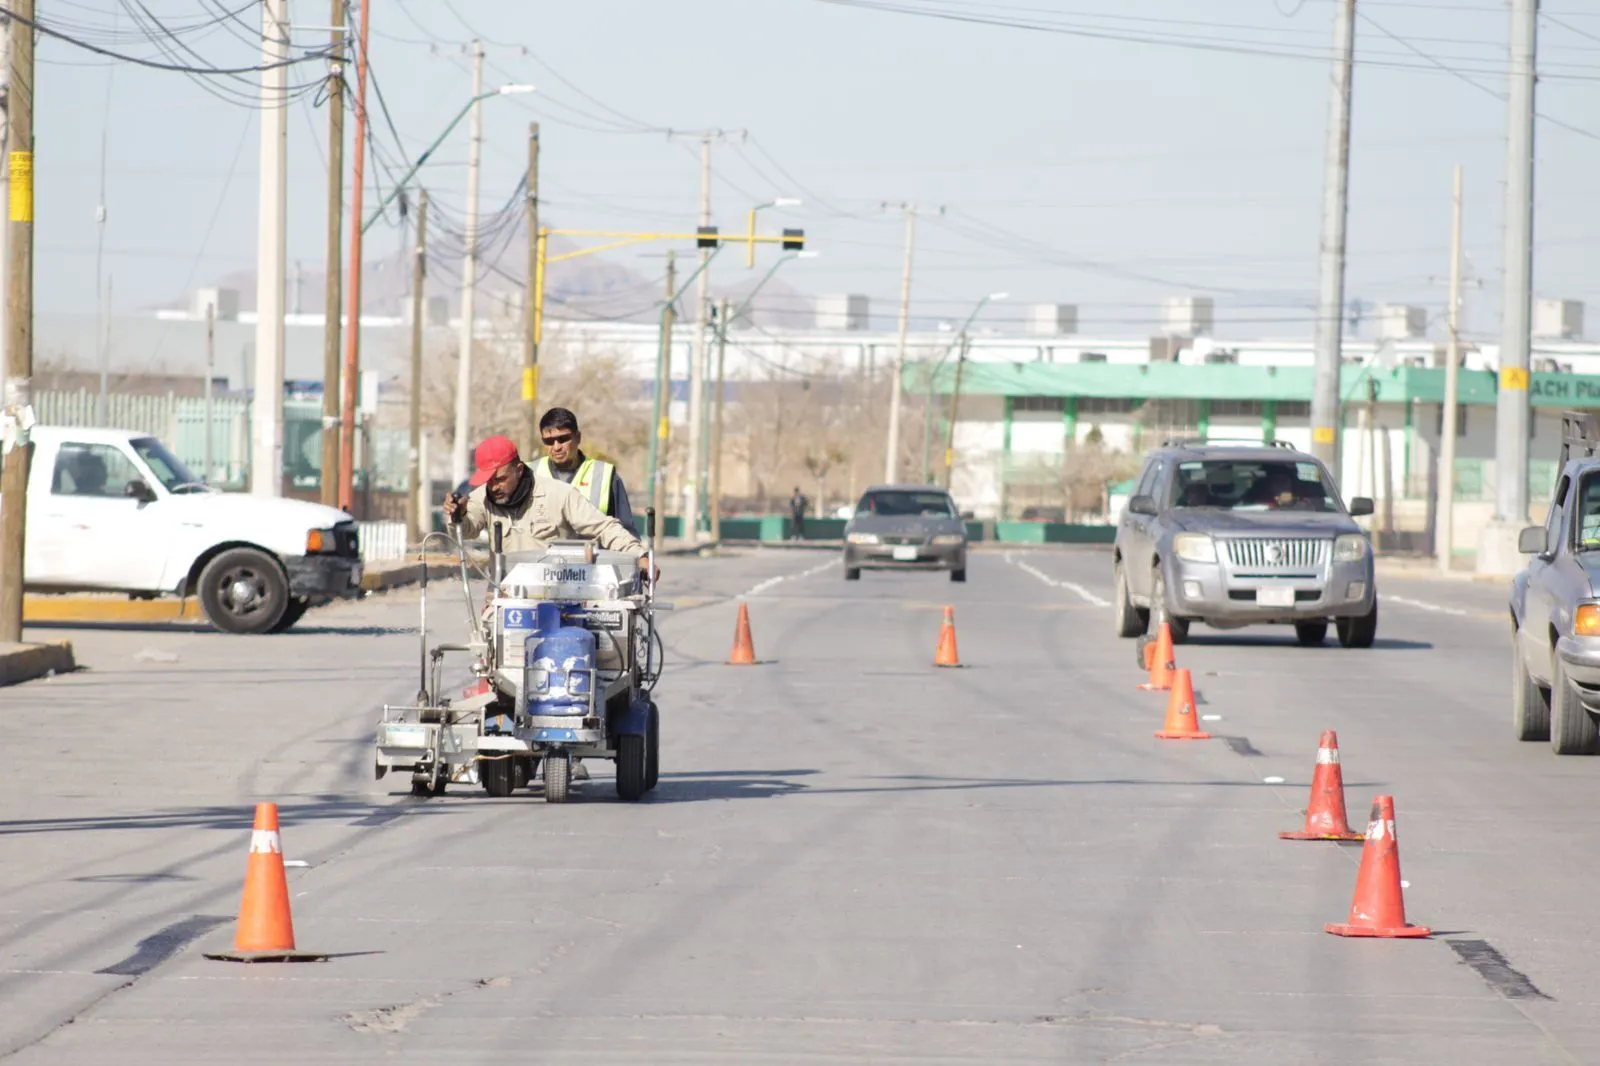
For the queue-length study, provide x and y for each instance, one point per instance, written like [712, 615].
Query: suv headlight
[949, 538]
[1195, 547]
[1350, 548]
[862, 538]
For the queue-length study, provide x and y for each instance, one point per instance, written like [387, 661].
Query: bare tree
[1089, 470]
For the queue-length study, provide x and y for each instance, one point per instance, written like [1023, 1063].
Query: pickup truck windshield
[168, 468]
[907, 504]
[1253, 485]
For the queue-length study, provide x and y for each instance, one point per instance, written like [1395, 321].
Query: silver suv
[1241, 535]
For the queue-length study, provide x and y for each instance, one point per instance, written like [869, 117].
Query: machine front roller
[557, 776]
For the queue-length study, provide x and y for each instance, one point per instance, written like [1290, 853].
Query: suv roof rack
[1203, 442]
[1580, 434]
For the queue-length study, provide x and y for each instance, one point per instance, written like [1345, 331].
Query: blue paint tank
[557, 661]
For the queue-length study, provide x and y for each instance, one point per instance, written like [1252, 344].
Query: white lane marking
[762, 586]
[1211, 717]
[1421, 606]
[1273, 780]
[1070, 586]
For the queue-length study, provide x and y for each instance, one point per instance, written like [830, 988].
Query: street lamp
[504, 90]
[750, 244]
[927, 406]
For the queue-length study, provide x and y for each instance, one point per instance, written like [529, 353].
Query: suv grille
[1276, 553]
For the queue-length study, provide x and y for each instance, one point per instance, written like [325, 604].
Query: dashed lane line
[762, 586]
[1070, 586]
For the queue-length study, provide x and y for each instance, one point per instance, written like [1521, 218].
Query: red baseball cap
[490, 456]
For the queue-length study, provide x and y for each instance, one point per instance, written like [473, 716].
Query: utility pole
[469, 278]
[950, 430]
[335, 263]
[211, 366]
[1444, 520]
[697, 370]
[19, 320]
[663, 405]
[531, 323]
[715, 477]
[1327, 419]
[419, 304]
[351, 378]
[266, 409]
[891, 459]
[1497, 554]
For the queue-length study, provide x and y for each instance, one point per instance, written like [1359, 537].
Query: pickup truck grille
[347, 541]
[1277, 553]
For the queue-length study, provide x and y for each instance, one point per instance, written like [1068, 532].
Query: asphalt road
[852, 856]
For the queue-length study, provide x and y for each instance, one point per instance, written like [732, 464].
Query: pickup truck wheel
[244, 591]
[1130, 622]
[296, 610]
[1572, 729]
[1530, 704]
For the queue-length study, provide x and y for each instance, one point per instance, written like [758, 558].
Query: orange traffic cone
[1181, 721]
[946, 654]
[1147, 653]
[266, 932]
[1161, 664]
[1379, 906]
[744, 652]
[1325, 817]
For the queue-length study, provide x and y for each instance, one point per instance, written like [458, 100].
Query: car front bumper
[905, 556]
[1580, 660]
[324, 576]
[1212, 593]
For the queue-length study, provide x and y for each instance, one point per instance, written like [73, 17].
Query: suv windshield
[1253, 485]
[168, 468]
[907, 504]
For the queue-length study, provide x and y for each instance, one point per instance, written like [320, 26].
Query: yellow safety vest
[593, 480]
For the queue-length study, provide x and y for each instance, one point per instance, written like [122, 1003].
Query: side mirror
[968, 516]
[1361, 505]
[1533, 540]
[138, 490]
[1145, 505]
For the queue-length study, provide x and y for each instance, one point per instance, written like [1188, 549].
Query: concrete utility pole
[19, 320]
[891, 459]
[419, 306]
[663, 405]
[1444, 520]
[335, 263]
[266, 408]
[351, 378]
[1497, 551]
[714, 476]
[1326, 417]
[469, 279]
[531, 325]
[211, 369]
[697, 369]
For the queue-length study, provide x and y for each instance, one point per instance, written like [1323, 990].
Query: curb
[108, 609]
[26, 662]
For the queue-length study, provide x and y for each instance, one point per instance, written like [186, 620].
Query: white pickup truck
[113, 510]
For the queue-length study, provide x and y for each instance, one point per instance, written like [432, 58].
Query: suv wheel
[1530, 704]
[1359, 632]
[1159, 612]
[1130, 620]
[1311, 634]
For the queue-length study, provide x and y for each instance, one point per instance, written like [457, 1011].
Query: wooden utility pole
[530, 306]
[352, 344]
[19, 319]
[658, 448]
[715, 479]
[419, 304]
[335, 263]
[950, 430]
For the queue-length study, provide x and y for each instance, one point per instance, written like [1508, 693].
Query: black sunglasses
[558, 440]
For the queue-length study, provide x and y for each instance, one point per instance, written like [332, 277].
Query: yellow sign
[1322, 435]
[21, 186]
[661, 431]
[1514, 378]
[530, 384]
[949, 457]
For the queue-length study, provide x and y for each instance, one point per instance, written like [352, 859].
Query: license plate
[1275, 597]
[906, 555]
[355, 576]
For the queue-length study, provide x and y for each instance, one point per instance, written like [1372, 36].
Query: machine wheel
[298, 606]
[1572, 729]
[1130, 620]
[1359, 632]
[501, 777]
[958, 575]
[1530, 704]
[652, 749]
[557, 777]
[420, 787]
[244, 591]
[632, 768]
[852, 574]
[1311, 634]
[1159, 614]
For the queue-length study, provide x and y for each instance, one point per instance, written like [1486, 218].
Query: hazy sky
[1119, 152]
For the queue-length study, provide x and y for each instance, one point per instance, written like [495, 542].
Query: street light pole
[469, 279]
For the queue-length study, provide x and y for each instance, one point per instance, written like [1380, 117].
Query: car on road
[1240, 535]
[112, 510]
[1555, 609]
[905, 527]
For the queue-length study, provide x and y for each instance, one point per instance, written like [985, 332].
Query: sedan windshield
[907, 505]
[168, 468]
[1253, 485]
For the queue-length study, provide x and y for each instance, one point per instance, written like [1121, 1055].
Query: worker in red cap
[531, 511]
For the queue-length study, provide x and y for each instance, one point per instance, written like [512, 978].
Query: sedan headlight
[862, 538]
[1586, 622]
[1350, 548]
[949, 538]
[1195, 547]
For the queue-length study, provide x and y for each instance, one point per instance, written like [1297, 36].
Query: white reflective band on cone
[1327, 756]
[264, 842]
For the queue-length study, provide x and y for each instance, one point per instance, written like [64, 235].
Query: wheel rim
[242, 590]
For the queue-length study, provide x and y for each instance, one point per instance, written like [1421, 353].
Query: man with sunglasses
[564, 460]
